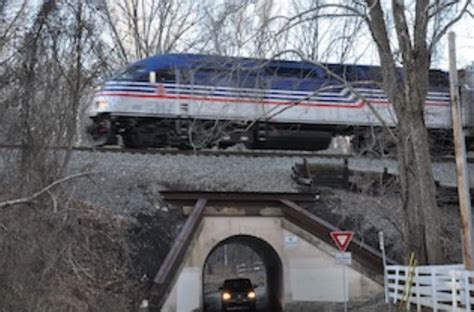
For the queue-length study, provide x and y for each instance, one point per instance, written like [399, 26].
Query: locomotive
[199, 101]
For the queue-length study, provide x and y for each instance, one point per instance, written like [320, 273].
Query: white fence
[440, 287]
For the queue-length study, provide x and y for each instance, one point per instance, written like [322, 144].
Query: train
[203, 101]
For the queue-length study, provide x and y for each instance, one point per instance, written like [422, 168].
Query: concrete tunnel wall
[309, 272]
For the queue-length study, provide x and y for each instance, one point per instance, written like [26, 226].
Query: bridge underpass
[268, 298]
[294, 245]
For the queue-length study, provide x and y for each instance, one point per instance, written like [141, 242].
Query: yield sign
[342, 239]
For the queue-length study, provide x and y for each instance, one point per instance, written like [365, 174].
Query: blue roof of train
[350, 72]
[186, 61]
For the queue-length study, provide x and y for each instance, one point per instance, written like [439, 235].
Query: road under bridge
[294, 245]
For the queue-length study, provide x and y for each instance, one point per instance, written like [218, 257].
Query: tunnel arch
[271, 261]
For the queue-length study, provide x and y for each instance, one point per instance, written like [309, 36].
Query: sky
[464, 32]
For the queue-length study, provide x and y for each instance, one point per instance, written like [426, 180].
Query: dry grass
[74, 259]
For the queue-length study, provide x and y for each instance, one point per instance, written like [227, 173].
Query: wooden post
[384, 263]
[462, 177]
[434, 289]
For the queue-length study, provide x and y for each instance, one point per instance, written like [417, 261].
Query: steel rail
[201, 152]
[227, 152]
[239, 198]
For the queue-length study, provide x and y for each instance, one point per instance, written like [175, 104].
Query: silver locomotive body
[187, 100]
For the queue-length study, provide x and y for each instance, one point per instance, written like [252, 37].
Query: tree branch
[46, 189]
[401, 27]
[437, 35]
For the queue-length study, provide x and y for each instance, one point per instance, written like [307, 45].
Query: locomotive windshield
[133, 73]
[140, 73]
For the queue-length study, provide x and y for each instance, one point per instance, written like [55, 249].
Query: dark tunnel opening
[244, 256]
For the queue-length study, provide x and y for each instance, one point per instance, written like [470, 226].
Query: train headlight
[102, 104]
[226, 296]
[251, 295]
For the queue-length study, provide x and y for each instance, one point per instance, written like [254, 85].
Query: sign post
[342, 240]
[462, 177]
[384, 262]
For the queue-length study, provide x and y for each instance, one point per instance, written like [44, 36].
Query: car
[238, 294]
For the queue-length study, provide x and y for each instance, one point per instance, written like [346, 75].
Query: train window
[166, 76]
[231, 77]
[288, 72]
[133, 73]
[438, 78]
[247, 79]
[186, 77]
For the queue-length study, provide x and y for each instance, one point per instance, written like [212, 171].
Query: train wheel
[102, 133]
[203, 134]
[130, 140]
[146, 135]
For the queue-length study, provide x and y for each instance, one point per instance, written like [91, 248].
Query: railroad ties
[327, 175]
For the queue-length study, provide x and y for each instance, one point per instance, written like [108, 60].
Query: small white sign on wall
[343, 258]
[291, 241]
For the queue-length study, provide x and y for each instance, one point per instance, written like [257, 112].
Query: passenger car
[238, 293]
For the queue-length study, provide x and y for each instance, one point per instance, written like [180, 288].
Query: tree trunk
[406, 88]
[418, 188]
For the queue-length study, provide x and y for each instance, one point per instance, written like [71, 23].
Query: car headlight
[101, 104]
[226, 296]
[251, 295]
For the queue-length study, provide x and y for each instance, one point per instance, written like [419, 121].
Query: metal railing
[169, 269]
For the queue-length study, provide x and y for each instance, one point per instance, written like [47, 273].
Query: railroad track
[230, 152]
[204, 152]
[210, 152]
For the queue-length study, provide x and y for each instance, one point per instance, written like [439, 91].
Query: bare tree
[28, 85]
[244, 28]
[53, 245]
[142, 28]
[405, 34]
[49, 67]
[404, 42]
[11, 18]
[407, 93]
[321, 38]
